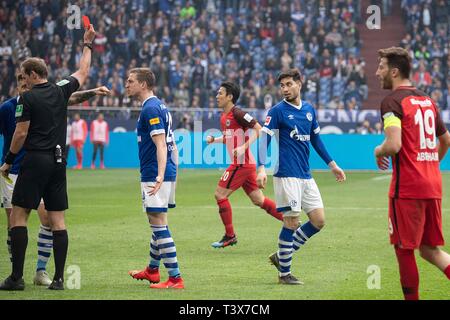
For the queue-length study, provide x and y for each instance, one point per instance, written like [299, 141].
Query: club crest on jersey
[268, 119]
[293, 203]
[309, 116]
[228, 122]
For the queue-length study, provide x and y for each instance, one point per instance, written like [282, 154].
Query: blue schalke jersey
[295, 125]
[7, 128]
[154, 119]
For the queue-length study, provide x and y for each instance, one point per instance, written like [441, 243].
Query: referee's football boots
[9, 284]
[56, 285]
[225, 242]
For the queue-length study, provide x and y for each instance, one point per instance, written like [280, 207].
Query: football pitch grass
[109, 235]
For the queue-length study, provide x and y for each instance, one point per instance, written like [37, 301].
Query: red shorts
[77, 143]
[237, 176]
[413, 223]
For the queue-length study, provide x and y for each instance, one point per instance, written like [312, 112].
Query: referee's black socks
[60, 245]
[19, 242]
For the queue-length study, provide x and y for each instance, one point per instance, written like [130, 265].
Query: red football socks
[409, 274]
[271, 208]
[226, 214]
[447, 272]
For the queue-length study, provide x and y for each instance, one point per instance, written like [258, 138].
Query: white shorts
[7, 190]
[164, 198]
[293, 194]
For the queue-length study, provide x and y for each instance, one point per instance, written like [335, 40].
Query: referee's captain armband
[391, 120]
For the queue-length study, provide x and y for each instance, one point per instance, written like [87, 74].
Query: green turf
[109, 235]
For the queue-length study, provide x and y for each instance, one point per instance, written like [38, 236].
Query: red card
[86, 22]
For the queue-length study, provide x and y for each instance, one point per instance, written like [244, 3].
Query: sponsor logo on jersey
[309, 116]
[299, 137]
[291, 117]
[268, 119]
[19, 110]
[248, 117]
[422, 103]
[62, 82]
[154, 121]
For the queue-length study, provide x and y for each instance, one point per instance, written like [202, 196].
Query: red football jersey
[416, 173]
[234, 126]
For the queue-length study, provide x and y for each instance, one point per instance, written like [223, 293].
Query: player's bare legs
[226, 214]
[267, 204]
[43, 216]
[437, 257]
[317, 218]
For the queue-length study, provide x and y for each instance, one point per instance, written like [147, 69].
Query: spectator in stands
[201, 32]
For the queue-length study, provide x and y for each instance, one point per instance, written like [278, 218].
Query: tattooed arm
[81, 96]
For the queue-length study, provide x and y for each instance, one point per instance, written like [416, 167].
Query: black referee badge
[19, 110]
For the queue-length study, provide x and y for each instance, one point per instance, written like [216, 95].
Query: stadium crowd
[193, 46]
[427, 39]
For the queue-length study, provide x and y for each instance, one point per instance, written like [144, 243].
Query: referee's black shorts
[41, 177]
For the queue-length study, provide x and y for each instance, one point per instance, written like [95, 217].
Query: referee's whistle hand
[89, 34]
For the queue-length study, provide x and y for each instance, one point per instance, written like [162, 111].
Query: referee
[41, 129]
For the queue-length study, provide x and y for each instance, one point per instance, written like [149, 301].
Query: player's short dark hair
[291, 73]
[144, 75]
[35, 64]
[233, 89]
[399, 58]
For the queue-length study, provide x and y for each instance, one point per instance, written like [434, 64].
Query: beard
[387, 83]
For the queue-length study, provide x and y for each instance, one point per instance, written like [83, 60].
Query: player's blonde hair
[144, 75]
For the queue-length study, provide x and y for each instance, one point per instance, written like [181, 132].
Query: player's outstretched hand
[156, 187]
[261, 179]
[209, 139]
[89, 34]
[383, 163]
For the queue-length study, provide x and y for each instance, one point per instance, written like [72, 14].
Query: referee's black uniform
[43, 170]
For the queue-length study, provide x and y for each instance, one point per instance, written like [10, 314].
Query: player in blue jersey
[158, 159]
[7, 127]
[295, 124]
